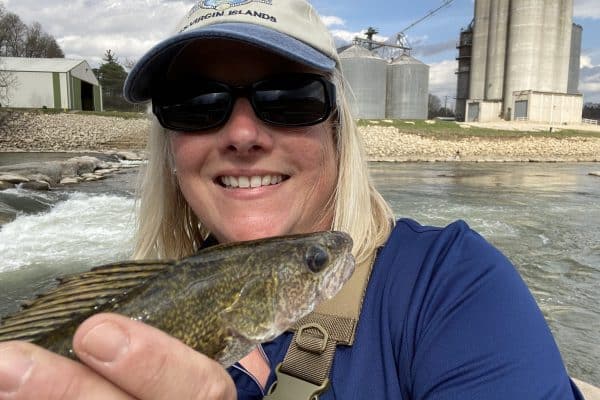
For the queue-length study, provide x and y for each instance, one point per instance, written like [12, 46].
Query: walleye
[221, 301]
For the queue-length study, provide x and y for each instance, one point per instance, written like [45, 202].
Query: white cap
[290, 28]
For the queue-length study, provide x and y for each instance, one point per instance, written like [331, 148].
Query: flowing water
[544, 217]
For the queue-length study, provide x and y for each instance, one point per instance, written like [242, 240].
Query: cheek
[188, 150]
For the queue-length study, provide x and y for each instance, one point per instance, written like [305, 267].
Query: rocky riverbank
[33, 131]
[64, 132]
[390, 144]
[45, 175]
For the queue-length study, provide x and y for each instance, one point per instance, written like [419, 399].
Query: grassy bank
[116, 114]
[450, 130]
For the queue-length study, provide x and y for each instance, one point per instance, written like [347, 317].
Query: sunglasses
[283, 100]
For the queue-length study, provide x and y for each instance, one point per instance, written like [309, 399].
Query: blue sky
[87, 28]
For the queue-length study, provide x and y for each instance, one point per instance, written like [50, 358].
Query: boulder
[593, 173]
[50, 169]
[35, 185]
[13, 178]
[69, 180]
[129, 156]
[6, 185]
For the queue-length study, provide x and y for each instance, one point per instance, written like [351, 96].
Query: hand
[121, 359]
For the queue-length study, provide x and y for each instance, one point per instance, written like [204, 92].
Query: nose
[244, 133]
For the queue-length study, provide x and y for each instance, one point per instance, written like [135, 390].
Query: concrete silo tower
[522, 62]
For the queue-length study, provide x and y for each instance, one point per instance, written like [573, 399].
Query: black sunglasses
[284, 100]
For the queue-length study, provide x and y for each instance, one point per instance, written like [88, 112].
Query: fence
[590, 121]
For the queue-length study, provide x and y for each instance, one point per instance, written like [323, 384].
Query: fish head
[286, 280]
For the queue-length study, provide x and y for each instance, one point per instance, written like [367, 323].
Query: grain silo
[574, 62]
[366, 75]
[523, 59]
[408, 88]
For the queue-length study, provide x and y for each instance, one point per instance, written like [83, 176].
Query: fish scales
[221, 301]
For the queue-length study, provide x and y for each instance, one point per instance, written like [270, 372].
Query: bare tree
[14, 31]
[8, 84]
[20, 40]
[129, 63]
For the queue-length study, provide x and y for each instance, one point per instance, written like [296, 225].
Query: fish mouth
[339, 275]
[250, 181]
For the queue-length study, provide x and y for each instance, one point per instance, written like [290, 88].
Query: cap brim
[154, 64]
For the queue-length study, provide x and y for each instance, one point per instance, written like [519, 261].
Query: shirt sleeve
[475, 331]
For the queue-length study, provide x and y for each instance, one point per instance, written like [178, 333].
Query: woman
[254, 139]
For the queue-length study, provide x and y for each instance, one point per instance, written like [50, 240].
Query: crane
[401, 36]
[391, 47]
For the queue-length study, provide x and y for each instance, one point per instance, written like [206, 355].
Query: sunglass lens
[195, 109]
[293, 101]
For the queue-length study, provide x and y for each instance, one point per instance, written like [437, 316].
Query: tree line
[20, 40]
[591, 111]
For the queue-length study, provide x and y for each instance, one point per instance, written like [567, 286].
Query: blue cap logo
[225, 4]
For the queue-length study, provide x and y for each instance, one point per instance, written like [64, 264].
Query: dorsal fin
[78, 296]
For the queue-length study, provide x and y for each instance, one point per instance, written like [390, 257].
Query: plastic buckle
[288, 387]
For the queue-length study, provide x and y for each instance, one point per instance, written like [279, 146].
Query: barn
[58, 83]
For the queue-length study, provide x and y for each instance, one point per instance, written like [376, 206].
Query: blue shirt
[445, 316]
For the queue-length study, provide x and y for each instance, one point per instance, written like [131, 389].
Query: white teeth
[250, 181]
[255, 181]
[243, 181]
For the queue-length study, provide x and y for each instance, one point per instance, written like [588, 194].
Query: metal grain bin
[366, 75]
[408, 89]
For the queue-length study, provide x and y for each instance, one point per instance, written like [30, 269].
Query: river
[544, 217]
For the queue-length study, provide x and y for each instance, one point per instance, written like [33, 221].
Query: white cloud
[343, 37]
[585, 61]
[87, 28]
[586, 9]
[442, 78]
[332, 21]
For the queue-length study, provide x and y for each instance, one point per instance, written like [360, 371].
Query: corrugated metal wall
[367, 76]
[408, 89]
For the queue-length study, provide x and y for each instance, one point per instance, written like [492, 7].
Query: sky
[85, 29]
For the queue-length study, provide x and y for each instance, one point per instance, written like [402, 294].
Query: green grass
[452, 130]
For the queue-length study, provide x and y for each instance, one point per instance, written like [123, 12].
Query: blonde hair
[168, 228]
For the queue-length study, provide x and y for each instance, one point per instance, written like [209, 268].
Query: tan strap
[304, 372]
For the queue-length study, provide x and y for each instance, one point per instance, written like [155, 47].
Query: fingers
[147, 363]
[30, 372]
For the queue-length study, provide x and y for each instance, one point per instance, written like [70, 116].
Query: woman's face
[285, 176]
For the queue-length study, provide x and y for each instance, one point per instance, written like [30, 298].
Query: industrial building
[51, 83]
[519, 60]
[397, 89]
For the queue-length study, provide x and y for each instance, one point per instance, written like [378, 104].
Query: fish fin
[76, 297]
[251, 315]
[236, 348]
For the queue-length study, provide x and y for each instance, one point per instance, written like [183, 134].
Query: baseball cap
[290, 28]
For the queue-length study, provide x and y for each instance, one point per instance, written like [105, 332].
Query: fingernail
[105, 342]
[14, 368]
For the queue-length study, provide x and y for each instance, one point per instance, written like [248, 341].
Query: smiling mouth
[245, 182]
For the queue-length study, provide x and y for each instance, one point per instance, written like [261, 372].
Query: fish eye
[316, 258]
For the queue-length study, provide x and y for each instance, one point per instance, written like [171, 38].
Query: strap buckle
[288, 387]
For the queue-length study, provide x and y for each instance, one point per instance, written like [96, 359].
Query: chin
[252, 233]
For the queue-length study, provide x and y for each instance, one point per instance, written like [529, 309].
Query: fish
[222, 301]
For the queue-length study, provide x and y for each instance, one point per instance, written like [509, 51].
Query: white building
[51, 83]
